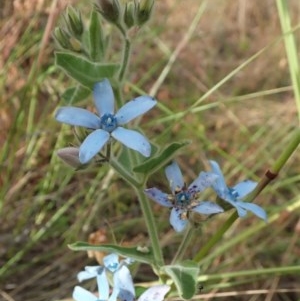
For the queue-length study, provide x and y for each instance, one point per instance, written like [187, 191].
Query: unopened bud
[144, 11]
[61, 37]
[73, 21]
[109, 9]
[129, 14]
[70, 155]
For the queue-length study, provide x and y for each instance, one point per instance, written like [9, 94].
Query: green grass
[225, 78]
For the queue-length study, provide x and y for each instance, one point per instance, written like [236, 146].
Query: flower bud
[144, 11]
[110, 10]
[129, 14]
[73, 21]
[62, 38]
[70, 155]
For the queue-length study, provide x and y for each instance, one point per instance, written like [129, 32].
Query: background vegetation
[244, 121]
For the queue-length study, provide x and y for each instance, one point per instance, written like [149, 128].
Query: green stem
[138, 185]
[125, 59]
[277, 166]
[185, 242]
[127, 176]
[145, 207]
[282, 270]
[124, 65]
[295, 141]
[150, 222]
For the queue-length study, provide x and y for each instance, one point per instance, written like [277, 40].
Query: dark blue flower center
[233, 193]
[182, 198]
[108, 122]
[112, 266]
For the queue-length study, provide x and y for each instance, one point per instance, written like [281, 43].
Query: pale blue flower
[108, 124]
[155, 293]
[123, 288]
[234, 195]
[98, 272]
[184, 199]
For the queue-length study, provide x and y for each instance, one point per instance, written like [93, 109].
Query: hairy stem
[150, 222]
[145, 207]
[125, 59]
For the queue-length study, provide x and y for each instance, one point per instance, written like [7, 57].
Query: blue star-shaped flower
[234, 195]
[108, 124]
[123, 288]
[183, 199]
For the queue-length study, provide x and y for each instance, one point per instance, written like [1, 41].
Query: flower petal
[114, 295]
[207, 208]
[77, 117]
[155, 293]
[158, 196]
[123, 282]
[92, 144]
[103, 285]
[175, 220]
[219, 185]
[104, 97]
[132, 139]
[174, 176]
[135, 108]
[204, 180]
[111, 262]
[89, 272]
[81, 294]
[255, 209]
[244, 188]
[241, 211]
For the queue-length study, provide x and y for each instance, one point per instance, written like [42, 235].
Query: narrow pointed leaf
[137, 254]
[153, 164]
[75, 94]
[184, 276]
[96, 38]
[84, 71]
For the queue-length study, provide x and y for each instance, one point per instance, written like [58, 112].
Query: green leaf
[140, 254]
[185, 276]
[84, 71]
[96, 38]
[75, 94]
[154, 163]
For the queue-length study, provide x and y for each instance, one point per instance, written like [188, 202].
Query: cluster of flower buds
[68, 35]
[132, 13]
